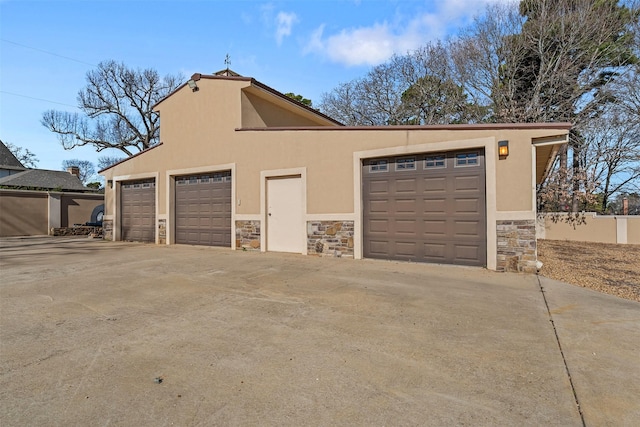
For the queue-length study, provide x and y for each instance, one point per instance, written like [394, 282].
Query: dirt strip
[608, 268]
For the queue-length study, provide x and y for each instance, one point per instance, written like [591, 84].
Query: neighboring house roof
[8, 160]
[47, 179]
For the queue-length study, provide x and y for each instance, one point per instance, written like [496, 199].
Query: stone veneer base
[107, 229]
[248, 235]
[516, 240]
[330, 238]
[162, 231]
[516, 246]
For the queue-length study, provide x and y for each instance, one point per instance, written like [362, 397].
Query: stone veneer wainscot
[516, 246]
[248, 235]
[330, 238]
[107, 229]
[162, 231]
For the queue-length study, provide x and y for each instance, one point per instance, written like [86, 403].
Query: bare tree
[116, 106]
[433, 94]
[85, 167]
[552, 60]
[24, 155]
[610, 154]
[342, 103]
[416, 88]
[106, 161]
[483, 59]
[375, 99]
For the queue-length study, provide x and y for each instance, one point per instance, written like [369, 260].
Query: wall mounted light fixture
[192, 84]
[110, 182]
[503, 149]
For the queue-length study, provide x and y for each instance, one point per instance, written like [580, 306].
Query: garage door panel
[378, 247]
[378, 225]
[435, 251]
[406, 185]
[434, 228]
[467, 229]
[379, 187]
[405, 248]
[434, 212]
[434, 206]
[203, 209]
[406, 206]
[218, 207]
[467, 205]
[379, 206]
[467, 183]
[435, 184]
[137, 211]
[405, 226]
[467, 253]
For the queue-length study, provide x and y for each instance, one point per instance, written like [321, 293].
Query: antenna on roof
[227, 61]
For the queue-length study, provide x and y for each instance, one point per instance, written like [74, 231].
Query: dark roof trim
[13, 168]
[198, 76]
[131, 157]
[480, 126]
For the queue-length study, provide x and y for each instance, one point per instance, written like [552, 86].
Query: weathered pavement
[88, 328]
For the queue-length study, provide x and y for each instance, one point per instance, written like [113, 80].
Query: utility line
[37, 99]
[47, 52]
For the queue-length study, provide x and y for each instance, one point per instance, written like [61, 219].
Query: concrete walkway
[100, 333]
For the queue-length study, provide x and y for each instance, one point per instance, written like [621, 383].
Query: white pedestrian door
[284, 215]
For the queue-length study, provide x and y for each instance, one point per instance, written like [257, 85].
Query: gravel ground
[612, 269]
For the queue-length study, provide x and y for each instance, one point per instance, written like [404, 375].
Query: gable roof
[232, 75]
[8, 160]
[42, 178]
[227, 72]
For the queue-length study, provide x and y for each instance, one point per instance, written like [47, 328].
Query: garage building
[242, 166]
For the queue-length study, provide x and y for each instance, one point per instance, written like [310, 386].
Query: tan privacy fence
[30, 213]
[624, 229]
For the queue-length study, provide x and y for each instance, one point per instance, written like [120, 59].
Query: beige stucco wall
[633, 230]
[327, 155]
[30, 213]
[23, 213]
[598, 229]
[258, 112]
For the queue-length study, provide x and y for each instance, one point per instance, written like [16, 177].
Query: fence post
[54, 213]
[621, 229]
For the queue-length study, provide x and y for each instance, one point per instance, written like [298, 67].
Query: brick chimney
[625, 206]
[74, 170]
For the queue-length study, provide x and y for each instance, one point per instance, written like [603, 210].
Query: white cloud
[374, 44]
[284, 23]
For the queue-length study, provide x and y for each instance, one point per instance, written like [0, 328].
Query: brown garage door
[426, 208]
[138, 210]
[203, 209]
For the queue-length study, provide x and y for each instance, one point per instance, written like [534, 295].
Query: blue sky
[306, 47]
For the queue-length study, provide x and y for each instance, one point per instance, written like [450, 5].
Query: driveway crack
[564, 360]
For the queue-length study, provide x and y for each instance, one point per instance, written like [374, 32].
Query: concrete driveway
[101, 333]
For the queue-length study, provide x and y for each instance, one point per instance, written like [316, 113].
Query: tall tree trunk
[564, 176]
[576, 178]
